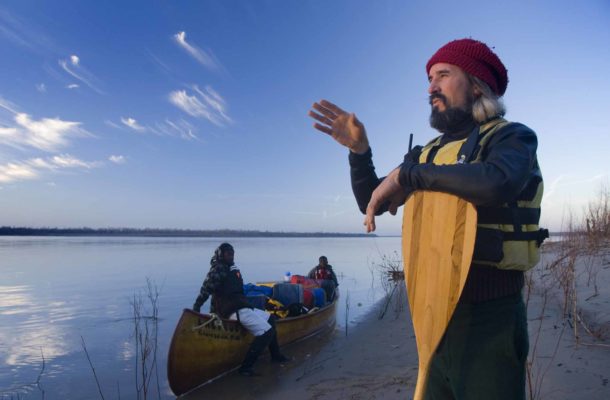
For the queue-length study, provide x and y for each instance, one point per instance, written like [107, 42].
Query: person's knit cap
[475, 58]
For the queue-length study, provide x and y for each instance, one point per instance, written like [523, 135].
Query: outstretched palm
[344, 127]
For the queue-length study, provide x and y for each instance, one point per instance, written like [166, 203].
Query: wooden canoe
[203, 349]
[439, 230]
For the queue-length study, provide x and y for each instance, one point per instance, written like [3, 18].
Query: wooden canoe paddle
[438, 235]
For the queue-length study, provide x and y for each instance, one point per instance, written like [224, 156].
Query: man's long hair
[488, 105]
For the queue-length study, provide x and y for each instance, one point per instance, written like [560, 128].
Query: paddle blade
[438, 241]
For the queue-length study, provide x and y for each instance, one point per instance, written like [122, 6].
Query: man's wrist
[360, 153]
[360, 149]
[356, 160]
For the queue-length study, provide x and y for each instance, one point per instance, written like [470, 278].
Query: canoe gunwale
[193, 346]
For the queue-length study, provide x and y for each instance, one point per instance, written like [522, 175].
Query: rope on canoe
[215, 319]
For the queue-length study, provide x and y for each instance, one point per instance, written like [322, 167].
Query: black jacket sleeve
[364, 180]
[334, 276]
[506, 165]
[212, 282]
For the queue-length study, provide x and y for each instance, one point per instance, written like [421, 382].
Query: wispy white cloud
[181, 128]
[16, 171]
[67, 161]
[73, 67]
[23, 132]
[72, 86]
[23, 34]
[41, 87]
[40, 163]
[205, 103]
[568, 180]
[214, 100]
[34, 168]
[157, 61]
[205, 58]
[46, 134]
[8, 106]
[117, 159]
[132, 124]
[8, 29]
[113, 124]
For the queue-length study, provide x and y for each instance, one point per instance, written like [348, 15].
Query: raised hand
[344, 127]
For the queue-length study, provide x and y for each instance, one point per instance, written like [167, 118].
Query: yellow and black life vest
[508, 236]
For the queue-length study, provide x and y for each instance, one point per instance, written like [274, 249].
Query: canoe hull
[198, 354]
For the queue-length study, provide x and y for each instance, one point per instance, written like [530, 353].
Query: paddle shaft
[422, 380]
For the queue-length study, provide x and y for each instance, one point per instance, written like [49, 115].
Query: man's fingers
[369, 222]
[321, 118]
[332, 107]
[323, 128]
[325, 110]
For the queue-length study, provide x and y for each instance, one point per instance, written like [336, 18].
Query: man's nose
[433, 87]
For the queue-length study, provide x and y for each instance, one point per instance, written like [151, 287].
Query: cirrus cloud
[207, 104]
[46, 134]
[117, 159]
[35, 167]
[73, 67]
[204, 58]
[133, 124]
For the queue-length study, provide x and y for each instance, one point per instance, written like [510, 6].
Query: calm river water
[57, 292]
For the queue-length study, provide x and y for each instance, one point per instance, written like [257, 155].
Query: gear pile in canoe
[205, 347]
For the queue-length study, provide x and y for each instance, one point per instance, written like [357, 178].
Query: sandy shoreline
[378, 358]
[373, 361]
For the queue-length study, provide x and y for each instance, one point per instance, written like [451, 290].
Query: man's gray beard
[452, 120]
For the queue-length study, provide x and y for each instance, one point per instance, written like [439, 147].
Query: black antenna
[410, 141]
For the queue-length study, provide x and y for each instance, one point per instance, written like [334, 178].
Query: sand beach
[568, 297]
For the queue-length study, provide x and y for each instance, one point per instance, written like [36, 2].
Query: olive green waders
[483, 353]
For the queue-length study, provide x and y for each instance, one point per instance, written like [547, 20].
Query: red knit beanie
[475, 58]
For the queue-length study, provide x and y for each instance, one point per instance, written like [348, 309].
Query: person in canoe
[480, 157]
[325, 272]
[226, 286]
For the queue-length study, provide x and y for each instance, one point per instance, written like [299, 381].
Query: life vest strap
[491, 215]
[538, 236]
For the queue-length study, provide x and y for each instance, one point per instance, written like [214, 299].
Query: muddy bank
[376, 360]
[569, 354]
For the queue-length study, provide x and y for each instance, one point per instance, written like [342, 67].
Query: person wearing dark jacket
[324, 271]
[492, 163]
[226, 286]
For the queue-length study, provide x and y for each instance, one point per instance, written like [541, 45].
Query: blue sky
[192, 114]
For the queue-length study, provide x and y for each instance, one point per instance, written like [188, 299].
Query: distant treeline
[154, 232]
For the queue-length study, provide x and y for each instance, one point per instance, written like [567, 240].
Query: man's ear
[476, 91]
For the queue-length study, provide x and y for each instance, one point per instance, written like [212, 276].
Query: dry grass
[391, 274]
[572, 271]
[145, 313]
[22, 390]
[146, 328]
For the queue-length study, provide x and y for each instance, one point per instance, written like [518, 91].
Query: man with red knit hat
[490, 162]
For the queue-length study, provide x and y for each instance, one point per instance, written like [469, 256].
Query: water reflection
[35, 324]
[14, 299]
[56, 290]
